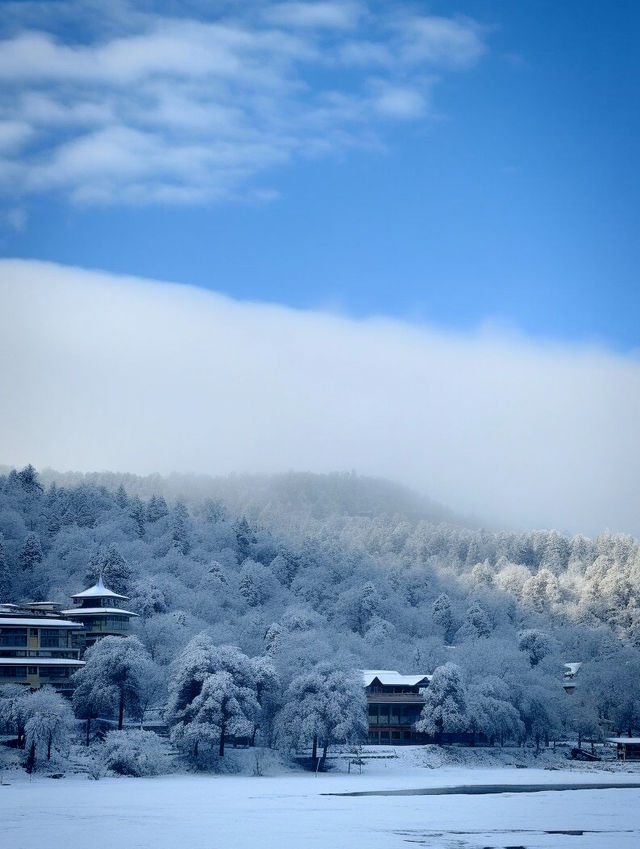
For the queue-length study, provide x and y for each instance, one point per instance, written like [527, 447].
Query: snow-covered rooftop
[98, 590]
[634, 741]
[391, 678]
[40, 661]
[572, 668]
[33, 622]
[96, 611]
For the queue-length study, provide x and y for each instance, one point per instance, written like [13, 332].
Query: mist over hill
[301, 496]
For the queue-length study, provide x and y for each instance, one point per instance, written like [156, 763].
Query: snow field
[289, 811]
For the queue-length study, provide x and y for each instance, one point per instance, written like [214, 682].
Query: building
[38, 646]
[628, 748]
[569, 677]
[394, 702]
[99, 612]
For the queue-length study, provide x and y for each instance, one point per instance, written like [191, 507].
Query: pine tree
[31, 552]
[138, 513]
[180, 528]
[5, 575]
[121, 498]
[115, 571]
[443, 615]
[156, 508]
[28, 479]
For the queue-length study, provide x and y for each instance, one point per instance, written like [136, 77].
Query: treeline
[314, 575]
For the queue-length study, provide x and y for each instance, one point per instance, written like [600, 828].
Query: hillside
[357, 572]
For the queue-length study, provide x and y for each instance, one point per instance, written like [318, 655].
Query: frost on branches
[323, 707]
[216, 693]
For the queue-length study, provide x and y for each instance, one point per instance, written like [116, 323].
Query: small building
[98, 609]
[569, 682]
[38, 646]
[394, 703]
[627, 748]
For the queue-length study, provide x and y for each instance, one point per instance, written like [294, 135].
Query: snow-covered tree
[50, 721]
[535, 644]
[31, 552]
[443, 616]
[5, 575]
[134, 752]
[323, 707]
[491, 713]
[137, 513]
[112, 678]
[13, 710]
[156, 508]
[221, 709]
[445, 705]
[213, 694]
[476, 624]
[115, 571]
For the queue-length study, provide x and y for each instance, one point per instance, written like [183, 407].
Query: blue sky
[447, 163]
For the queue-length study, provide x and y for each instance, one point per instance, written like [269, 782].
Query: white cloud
[111, 114]
[342, 15]
[441, 42]
[102, 372]
[14, 134]
[398, 101]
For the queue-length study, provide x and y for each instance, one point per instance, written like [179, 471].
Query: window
[52, 673]
[53, 638]
[13, 637]
[32, 670]
[13, 671]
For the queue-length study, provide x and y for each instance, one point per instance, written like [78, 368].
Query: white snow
[98, 590]
[391, 678]
[633, 741]
[32, 622]
[290, 810]
[83, 611]
[40, 661]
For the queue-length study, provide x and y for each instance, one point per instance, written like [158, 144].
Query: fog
[101, 372]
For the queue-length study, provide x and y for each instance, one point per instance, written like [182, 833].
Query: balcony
[395, 698]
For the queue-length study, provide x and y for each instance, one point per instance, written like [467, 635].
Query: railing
[396, 698]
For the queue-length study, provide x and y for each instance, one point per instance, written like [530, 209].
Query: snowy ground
[290, 810]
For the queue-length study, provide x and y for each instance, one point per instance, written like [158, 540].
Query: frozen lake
[287, 811]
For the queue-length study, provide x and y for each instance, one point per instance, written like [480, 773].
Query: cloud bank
[152, 102]
[103, 372]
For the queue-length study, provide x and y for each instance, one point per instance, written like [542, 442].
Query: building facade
[41, 644]
[38, 646]
[394, 703]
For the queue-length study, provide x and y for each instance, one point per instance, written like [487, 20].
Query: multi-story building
[394, 702]
[38, 646]
[98, 609]
[41, 644]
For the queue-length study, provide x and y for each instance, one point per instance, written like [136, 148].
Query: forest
[259, 598]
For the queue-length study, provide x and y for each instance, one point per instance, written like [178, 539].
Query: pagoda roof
[96, 611]
[98, 590]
